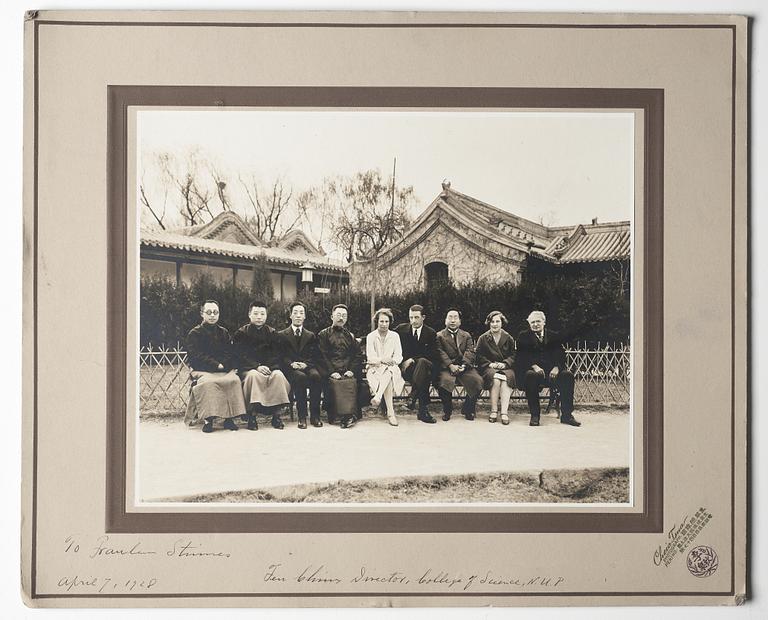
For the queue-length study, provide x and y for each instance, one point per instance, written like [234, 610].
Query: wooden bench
[549, 395]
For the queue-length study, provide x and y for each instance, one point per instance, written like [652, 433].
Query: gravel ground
[176, 463]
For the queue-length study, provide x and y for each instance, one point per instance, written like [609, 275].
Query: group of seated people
[259, 369]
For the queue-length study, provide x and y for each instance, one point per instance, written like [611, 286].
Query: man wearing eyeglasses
[216, 391]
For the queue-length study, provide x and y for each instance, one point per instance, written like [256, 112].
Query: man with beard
[340, 361]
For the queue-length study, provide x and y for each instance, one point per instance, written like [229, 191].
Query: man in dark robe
[216, 389]
[340, 364]
[258, 350]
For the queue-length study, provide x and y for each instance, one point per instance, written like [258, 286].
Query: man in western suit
[299, 360]
[456, 357]
[541, 362]
[419, 343]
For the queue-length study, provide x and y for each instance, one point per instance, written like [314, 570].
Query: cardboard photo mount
[682, 542]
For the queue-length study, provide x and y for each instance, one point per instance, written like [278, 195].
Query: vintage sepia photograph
[384, 307]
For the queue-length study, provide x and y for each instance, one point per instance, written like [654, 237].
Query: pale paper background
[680, 328]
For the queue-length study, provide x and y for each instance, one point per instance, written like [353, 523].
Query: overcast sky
[564, 168]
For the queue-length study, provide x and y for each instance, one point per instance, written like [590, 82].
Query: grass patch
[600, 485]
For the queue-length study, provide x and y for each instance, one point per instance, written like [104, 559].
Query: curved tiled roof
[557, 244]
[597, 246]
[590, 243]
[211, 229]
[186, 243]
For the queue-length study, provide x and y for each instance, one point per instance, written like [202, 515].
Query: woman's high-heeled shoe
[504, 419]
[392, 420]
[492, 417]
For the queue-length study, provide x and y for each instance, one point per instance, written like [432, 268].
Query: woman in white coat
[384, 353]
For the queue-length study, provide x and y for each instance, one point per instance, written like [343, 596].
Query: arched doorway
[436, 274]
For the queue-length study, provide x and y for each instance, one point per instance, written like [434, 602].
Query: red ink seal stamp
[702, 561]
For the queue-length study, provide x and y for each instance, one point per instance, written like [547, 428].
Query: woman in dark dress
[495, 355]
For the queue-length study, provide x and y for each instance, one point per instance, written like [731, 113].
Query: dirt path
[179, 461]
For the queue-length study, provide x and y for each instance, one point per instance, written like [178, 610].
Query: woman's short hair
[381, 311]
[494, 313]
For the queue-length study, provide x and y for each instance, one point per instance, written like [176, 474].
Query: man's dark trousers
[534, 381]
[300, 381]
[419, 374]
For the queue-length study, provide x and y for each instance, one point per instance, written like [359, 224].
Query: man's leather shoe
[253, 424]
[469, 416]
[348, 422]
[426, 417]
[411, 404]
[277, 423]
[316, 422]
[534, 422]
[230, 425]
[208, 426]
[446, 417]
[570, 420]
[302, 424]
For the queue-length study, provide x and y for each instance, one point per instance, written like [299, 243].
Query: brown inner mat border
[118, 520]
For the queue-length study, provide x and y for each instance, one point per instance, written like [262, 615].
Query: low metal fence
[602, 376]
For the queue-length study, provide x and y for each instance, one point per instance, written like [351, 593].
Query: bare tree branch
[146, 203]
[273, 212]
[221, 187]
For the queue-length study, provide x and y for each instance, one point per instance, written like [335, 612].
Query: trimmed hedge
[583, 306]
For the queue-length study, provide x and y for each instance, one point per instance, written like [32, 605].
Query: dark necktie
[415, 335]
[298, 336]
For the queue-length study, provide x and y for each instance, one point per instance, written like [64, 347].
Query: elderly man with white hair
[541, 362]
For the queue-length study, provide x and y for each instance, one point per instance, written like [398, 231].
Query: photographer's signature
[681, 536]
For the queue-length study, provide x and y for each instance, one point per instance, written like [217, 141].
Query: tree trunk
[374, 278]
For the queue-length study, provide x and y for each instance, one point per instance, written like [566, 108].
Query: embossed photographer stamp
[702, 561]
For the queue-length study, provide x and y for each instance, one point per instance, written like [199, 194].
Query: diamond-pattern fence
[602, 374]
[164, 380]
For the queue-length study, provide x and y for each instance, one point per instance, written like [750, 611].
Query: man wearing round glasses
[216, 391]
